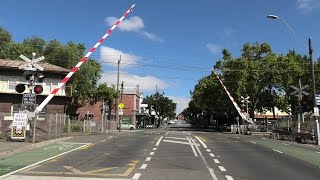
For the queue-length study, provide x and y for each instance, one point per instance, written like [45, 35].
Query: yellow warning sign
[121, 106]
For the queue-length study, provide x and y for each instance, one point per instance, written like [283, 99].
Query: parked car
[127, 126]
[171, 122]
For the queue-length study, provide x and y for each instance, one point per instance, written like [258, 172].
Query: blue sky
[159, 39]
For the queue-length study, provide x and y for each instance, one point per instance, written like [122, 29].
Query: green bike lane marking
[297, 152]
[24, 160]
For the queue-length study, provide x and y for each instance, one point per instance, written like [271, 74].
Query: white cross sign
[299, 90]
[31, 64]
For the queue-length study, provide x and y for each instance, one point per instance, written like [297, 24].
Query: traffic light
[38, 89]
[20, 88]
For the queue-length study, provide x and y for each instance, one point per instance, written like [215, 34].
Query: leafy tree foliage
[84, 83]
[259, 73]
[163, 106]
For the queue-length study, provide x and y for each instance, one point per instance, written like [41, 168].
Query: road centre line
[180, 142]
[154, 149]
[277, 151]
[222, 168]
[148, 159]
[253, 142]
[176, 138]
[152, 153]
[39, 162]
[191, 144]
[136, 176]
[203, 144]
[143, 166]
[208, 150]
[229, 177]
[216, 161]
[167, 133]
[214, 177]
[211, 154]
[159, 140]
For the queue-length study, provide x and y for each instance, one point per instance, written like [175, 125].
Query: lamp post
[310, 51]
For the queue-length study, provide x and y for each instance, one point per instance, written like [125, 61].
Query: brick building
[131, 99]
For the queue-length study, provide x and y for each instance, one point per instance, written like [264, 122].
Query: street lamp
[310, 51]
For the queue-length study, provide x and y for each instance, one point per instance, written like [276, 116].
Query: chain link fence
[51, 126]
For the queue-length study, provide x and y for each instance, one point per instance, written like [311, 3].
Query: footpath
[17, 155]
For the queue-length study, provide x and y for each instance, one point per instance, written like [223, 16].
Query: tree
[107, 95]
[163, 106]
[84, 81]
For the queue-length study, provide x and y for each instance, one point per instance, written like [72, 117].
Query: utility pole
[120, 120]
[315, 107]
[116, 106]
[102, 117]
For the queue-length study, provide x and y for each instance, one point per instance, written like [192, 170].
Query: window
[12, 83]
[48, 87]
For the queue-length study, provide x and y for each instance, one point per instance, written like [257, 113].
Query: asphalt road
[178, 152]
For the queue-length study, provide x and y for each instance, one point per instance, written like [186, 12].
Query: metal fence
[56, 125]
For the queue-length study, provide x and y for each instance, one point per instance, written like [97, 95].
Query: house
[10, 99]
[131, 99]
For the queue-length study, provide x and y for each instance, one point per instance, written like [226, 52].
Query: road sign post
[299, 92]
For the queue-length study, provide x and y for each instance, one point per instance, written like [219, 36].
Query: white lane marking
[154, 149]
[237, 137]
[229, 177]
[143, 166]
[189, 134]
[222, 168]
[180, 142]
[203, 144]
[176, 138]
[216, 161]
[285, 144]
[211, 154]
[208, 150]
[277, 151]
[148, 159]
[158, 142]
[263, 138]
[152, 153]
[167, 133]
[253, 142]
[48, 159]
[136, 176]
[191, 144]
[318, 152]
[214, 177]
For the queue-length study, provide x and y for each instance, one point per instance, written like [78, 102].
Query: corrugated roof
[13, 64]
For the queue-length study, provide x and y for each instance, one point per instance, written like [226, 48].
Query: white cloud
[182, 103]
[152, 37]
[134, 23]
[146, 83]
[111, 56]
[307, 5]
[214, 48]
